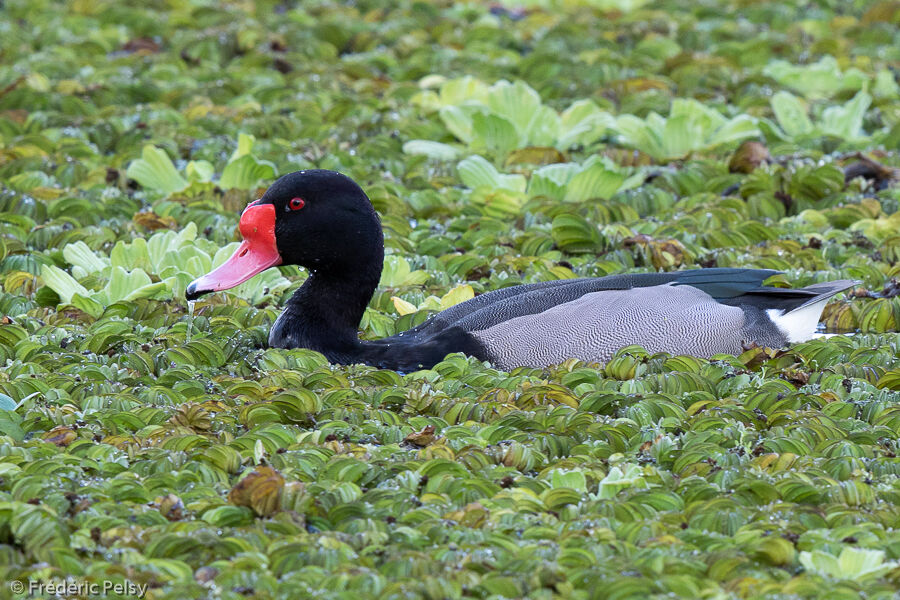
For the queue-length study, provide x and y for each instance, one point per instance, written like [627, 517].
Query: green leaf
[494, 133]
[246, 173]
[617, 480]
[131, 256]
[853, 563]
[62, 283]
[7, 403]
[458, 121]
[568, 479]
[582, 124]
[155, 171]
[431, 149]
[130, 285]
[821, 79]
[517, 103]
[885, 85]
[402, 306]
[10, 422]
[80, 255]
[573, 233]
[477, 172]
[87, 304]
[201, 171]
[461, 90]
[458, 294]
[244, 146]
[791, 114]
[640, 134]
[846, 121]
[397, 273]
[690, 127]
[594, 182]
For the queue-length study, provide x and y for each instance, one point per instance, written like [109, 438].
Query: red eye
[296, 203]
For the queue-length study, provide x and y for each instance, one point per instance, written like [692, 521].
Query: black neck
[324, 315]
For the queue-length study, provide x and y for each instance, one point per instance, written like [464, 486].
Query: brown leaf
[663, 254]
[625, 157]
[625, 87]
[748, 157]
[473, 514]
[141, 45]
[881, 12]
[205, 574]
[535, 155]
[15, 83]
[421, 438]
[260, 490]
[16, 115]
[62, 436]
[871, 170]
[152, 221]
[82, 505]
[282, 66]
[641, 238]
[648, 444]
[170, 506]
[796, 376]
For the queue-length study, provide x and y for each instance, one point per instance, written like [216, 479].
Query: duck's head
[318, 219]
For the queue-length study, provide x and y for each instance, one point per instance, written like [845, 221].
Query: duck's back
[495, 307]
[697, 312]
[674, 319]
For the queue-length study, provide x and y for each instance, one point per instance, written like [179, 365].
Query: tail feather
[827, 289]
[799, 323]
[788, 299]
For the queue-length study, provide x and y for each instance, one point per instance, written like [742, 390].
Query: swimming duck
[323, 221]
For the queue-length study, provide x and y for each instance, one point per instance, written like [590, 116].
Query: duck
[323, 221]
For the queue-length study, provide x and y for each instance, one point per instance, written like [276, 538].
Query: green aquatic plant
[821, 79]
[500, 118]
[145, 443]
[595, 178]
[174, 258]
[244, 171]
[690, 128]
[843, 123]
[856, 564]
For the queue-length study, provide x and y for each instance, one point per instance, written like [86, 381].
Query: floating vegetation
[146, 440]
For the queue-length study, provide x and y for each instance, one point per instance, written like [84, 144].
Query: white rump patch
[800, 324]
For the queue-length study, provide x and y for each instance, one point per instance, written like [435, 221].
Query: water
[190, 323]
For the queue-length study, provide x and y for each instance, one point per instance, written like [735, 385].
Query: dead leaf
[535, 155]
[473, 514]
[152, 221]
[16, 115]
[881, 176]
[170, 506]
[663, 254]
[748, 157]
[796, 376]
[260, 490]
[421, 438]
[141, 45]
[62, 436]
